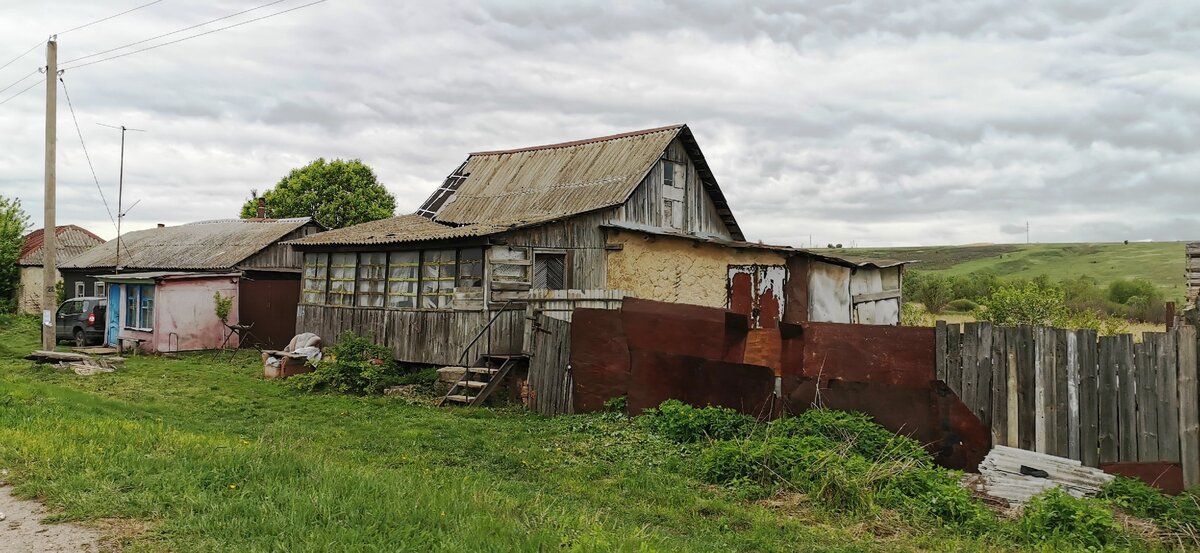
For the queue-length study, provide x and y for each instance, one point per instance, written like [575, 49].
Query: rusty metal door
[757, 291]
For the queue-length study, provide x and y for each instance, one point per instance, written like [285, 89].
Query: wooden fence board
[1147, 402]
[939, 350]
[1072, 348]
[1127, 400]
[970, 372]
[1060, 406]
[999, 387]
[1027, 387]
[1189, 406]
[983, 382]
[954, 358]
[1010, 351]
[1109, 423]
[1167, 391]
[1089, 407]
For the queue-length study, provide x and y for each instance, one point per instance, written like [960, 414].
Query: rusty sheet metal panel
[679, 329]
[657, 377]
[1165, 476]
[887, 372]
[932, 414]
[868, 353]
[759, 292]
[269, 303]
[828, 293]
[599, 358]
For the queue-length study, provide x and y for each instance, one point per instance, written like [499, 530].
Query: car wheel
[80, 338]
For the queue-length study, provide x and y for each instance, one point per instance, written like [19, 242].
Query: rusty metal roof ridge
[582, 141]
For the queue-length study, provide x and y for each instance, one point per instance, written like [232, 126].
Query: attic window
[441, 195]
[549, 271]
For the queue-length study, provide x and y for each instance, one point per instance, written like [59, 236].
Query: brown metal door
[269, 301]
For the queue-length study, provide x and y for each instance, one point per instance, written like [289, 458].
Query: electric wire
[110, 17]
[18, 81]
[86, 156]
[27, 89]
[26, 53]
[175, 32]
[209, 32]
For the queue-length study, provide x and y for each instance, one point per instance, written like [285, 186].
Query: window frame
[450, 270]
[99, 289]
[566, 276]
[137, 309]
[80, 289]
[321, 269]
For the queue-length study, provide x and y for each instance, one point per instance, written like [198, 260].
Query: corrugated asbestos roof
[397, 230]
[204, 245]
[72, 241]
[845, 261]
[560, 180]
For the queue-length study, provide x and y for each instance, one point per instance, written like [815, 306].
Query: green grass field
[206, 456]
[1159, 262]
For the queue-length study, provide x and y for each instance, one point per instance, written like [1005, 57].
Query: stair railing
[487, 329]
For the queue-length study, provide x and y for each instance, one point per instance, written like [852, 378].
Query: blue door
[114, 314]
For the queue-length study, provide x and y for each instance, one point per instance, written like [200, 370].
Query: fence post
[1189, 406]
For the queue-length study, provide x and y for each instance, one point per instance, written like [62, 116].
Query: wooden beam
[876, 296]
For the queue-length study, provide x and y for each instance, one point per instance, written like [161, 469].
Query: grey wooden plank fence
[1074, 394]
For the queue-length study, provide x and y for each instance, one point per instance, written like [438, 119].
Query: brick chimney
[262, 208]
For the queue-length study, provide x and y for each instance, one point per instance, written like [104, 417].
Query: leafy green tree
[1121, 291]
[13, 224]
[336, 193]
[1024, 304]
[933, 291]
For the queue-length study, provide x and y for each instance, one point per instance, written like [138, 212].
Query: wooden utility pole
[49, 236]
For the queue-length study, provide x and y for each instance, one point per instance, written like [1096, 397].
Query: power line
[18, 81]
[218, 29]
[110, 17]
[85, 152]
[26, 53]
[30, 87]
[175, 32]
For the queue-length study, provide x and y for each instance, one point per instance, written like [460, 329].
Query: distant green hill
[1159, 262]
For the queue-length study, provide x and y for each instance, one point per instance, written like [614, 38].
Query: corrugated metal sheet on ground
[72, 241]
[218, 244]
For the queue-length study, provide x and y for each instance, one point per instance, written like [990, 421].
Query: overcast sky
[858, 122]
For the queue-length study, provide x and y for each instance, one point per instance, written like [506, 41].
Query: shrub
[422, 376]
[862, 435]
[974, 286]
[619, 404]
[911, 314]
[761, 462]
[962, 306]
[1032, 303]
[355, 366]
[1121, 291]
[931, 290]
[1056, 516]
[686, 424]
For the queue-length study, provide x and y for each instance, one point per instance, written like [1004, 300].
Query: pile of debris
[1016, 475]
[80, 364]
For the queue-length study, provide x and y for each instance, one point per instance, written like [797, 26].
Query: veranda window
[402, 279]
[341, 278]
[437, 278]
[372, 277]
[470, 268]
[316, 277]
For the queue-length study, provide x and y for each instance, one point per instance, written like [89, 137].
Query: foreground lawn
[207, 456]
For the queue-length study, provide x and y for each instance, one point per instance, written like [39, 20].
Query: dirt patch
[22, 530]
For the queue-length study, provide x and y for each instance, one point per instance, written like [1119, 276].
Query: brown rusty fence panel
[550, 385]
[1074, 394]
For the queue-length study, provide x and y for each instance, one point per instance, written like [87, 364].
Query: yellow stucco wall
[676, 270]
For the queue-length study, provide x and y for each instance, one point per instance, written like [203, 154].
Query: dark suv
[81, 321]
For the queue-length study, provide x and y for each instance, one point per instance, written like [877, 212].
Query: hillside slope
[1159, 262]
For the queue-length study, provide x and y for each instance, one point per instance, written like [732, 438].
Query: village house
[550, 228]
[161, 283]
[72, 241]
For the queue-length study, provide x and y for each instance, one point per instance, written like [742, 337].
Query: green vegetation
[1160, 263]
[337, 193]
[200, 455]
[356, 365]
[13, 223]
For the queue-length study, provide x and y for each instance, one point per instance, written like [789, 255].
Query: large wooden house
[551, 228]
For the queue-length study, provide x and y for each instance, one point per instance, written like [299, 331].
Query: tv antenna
[120, 191]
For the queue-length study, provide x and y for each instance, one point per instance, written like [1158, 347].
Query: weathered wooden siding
[415, 336]
[875, 295]
[581, 237]
[280, 255]
[1192, 267]
[550, 383]
[645, 205]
